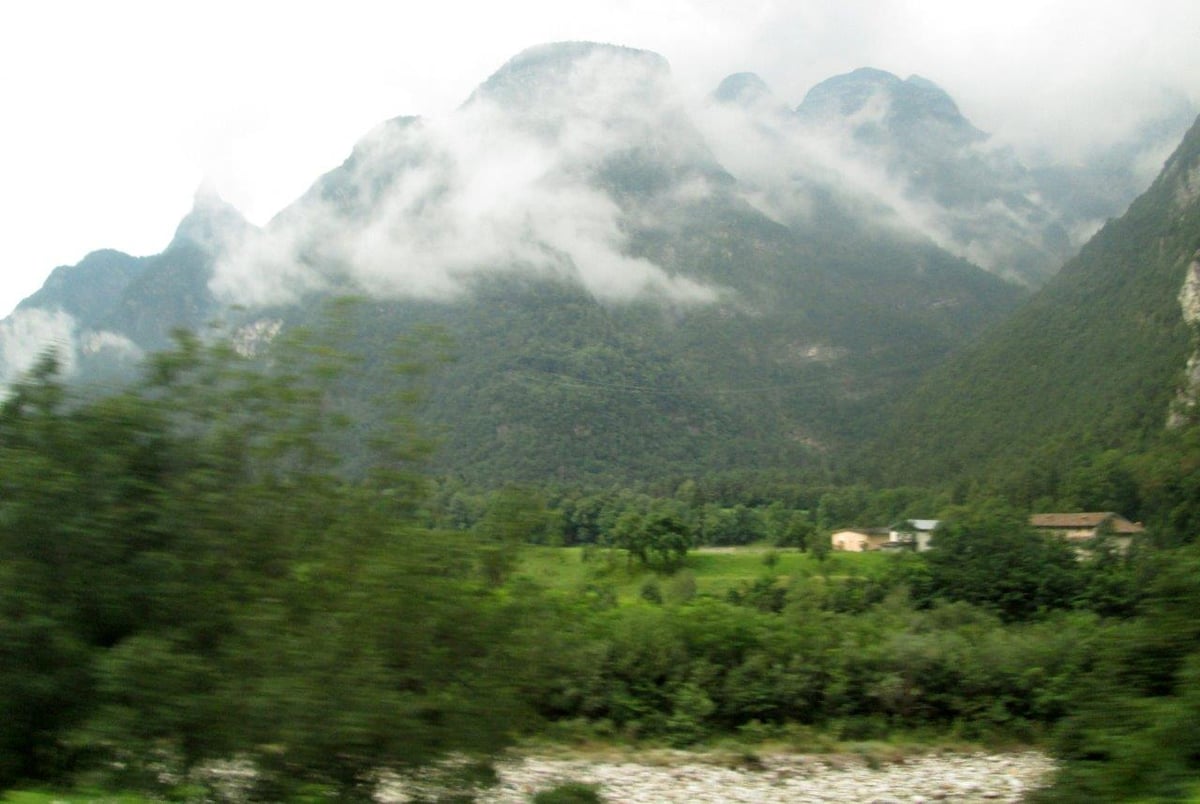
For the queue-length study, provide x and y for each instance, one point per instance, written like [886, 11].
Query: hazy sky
[115, 112]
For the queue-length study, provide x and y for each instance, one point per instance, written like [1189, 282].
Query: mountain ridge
[623, 305]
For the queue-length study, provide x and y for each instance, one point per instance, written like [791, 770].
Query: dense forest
[191, 574]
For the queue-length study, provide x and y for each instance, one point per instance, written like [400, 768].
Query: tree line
[189, 574]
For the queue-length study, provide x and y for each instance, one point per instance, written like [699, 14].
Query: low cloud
[512, 183]
[786, 166]
[789, 167]
[1065, 81]
[31, 333]
[111, 344]
[508, 184]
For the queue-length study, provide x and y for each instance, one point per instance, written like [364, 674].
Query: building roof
[1090, 519]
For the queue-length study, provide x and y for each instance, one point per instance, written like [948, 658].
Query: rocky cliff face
[1184, 407]
[1181, 178]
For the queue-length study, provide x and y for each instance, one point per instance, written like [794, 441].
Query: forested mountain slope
[1095, 360]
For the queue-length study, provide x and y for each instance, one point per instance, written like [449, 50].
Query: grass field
[711, 571]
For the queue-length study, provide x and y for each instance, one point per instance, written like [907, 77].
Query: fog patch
[792, 167]
[785, 167]
[508, 184]
[29, 334]
[110, 344]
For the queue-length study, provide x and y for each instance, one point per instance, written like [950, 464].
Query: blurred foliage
[569, 793]
[1131, 732]
[988, 555]
[190, 572]
[187, 576]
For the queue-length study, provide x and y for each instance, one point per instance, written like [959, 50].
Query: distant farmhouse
[910, 534]
[1079, 529]
[915, 533]
[860, 540]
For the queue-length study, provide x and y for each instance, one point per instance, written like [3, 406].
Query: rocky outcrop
[1189, 187]
[1189, 294]
[1184, 407]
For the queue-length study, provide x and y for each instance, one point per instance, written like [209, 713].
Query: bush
[569, 793]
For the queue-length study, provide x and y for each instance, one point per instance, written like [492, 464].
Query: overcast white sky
[115, 112]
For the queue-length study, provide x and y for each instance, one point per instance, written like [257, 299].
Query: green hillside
[1092, 362]
[546, 383]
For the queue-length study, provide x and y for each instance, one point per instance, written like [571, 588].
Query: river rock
[667, 778]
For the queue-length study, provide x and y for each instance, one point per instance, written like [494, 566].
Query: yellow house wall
[850, 541]
[854, 542]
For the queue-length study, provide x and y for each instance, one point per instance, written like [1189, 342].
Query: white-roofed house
[916, 533]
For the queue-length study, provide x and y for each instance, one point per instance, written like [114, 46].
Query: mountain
[102, 315]
[622, 307]
[901, 150]
[914, 116]
[1104, 356]
[745, 89]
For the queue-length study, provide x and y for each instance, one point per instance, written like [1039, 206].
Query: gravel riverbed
[670, 777]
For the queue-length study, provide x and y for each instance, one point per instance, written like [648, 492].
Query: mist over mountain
[634, 286]
[901, 153]
[104, 314]
[537, 174]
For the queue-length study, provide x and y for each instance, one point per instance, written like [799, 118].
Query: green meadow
[712, 572]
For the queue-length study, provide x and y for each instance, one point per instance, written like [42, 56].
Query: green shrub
[569, 793]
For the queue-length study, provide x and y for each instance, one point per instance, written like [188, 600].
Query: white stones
[683, 777]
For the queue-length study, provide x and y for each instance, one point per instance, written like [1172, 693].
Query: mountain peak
[536, 71]
[551, 53]
[612, 111]
[211, 222]
[910, 101]
[742, 89]
[926, 98]
[912, 108]
[846, 94]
